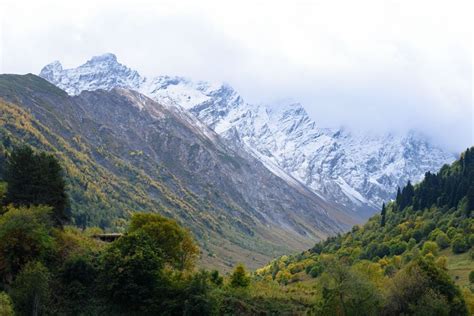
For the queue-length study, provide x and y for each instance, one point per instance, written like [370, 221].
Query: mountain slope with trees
[123, 152]
[399, 262]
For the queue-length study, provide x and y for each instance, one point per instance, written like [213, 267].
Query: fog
[374, 65]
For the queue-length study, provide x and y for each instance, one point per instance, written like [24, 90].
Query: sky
[369, 65]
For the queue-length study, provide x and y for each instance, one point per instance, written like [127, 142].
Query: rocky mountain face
[125, 152]
[357, 171]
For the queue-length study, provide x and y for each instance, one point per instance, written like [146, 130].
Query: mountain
[124, 152]
[356, 170]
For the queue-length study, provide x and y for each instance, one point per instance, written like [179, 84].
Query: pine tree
[36, 179]
[239, 277]
[383, 213]
[398, 199]
[470, 201]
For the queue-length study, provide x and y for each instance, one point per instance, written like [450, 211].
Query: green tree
[239, 277]
[471, 277]
[442, 240]
[6, 305]
[24, 236]
[30, 290]
[383, 214]
[176, 243]
[430, 247]
[131, 275]
[197, 300]
[76, 281]
[37, 179]
[216, 278]
[416, 284]
[345, 292]
[459, 244]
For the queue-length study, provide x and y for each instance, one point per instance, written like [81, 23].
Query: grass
[459, 266]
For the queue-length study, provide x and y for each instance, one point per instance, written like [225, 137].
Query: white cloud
[384, 65]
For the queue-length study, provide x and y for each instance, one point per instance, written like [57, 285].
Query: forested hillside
[407, 259]
[50, 267]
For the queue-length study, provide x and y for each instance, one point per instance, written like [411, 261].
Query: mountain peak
[100, 72]
[50, 70]
[107, 57]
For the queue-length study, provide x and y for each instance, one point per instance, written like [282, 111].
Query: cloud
[379, 65]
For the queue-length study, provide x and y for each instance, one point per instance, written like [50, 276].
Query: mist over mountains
[356, 170]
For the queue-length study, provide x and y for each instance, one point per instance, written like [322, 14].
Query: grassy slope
[459, 266]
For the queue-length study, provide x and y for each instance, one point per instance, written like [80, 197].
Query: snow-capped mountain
[356, 170]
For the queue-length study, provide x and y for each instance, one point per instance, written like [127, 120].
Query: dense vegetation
[48, 267]
[399, 261]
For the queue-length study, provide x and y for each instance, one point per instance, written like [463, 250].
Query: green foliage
[345, 292]
[403, 244]
[442, 240]
[239, 277]
[131, 274]
[176, 244]
[25, 235]
[471, 277]
[6, 305]
[383, 214]
[429, 247]
[30, 290]
[36, 179]
[459, 244]
[3, 191]
[216, 278]
[420, 282]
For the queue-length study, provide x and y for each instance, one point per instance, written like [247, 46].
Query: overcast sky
[378, 65]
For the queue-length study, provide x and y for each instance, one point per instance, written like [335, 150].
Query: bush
[430, 247]
[239, 277]
[316, 270]
[471, 277]
[442, 240]
[24, 236]
[459, 244]
[6, 305]
[216, 278]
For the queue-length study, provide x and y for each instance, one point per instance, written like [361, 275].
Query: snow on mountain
[356, 170]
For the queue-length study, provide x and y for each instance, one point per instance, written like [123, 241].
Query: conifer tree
[383, 213]
[36, 179]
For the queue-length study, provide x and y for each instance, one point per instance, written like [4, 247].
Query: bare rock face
[356, 171]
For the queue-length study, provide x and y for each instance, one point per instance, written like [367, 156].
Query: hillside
[429, 227]
[124, 153]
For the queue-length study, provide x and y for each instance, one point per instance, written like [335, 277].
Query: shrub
[442, 240]
[6, 305]
[429, 247]
[239, 277]
[459, 244]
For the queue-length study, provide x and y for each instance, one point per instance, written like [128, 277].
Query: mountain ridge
[336, 164]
